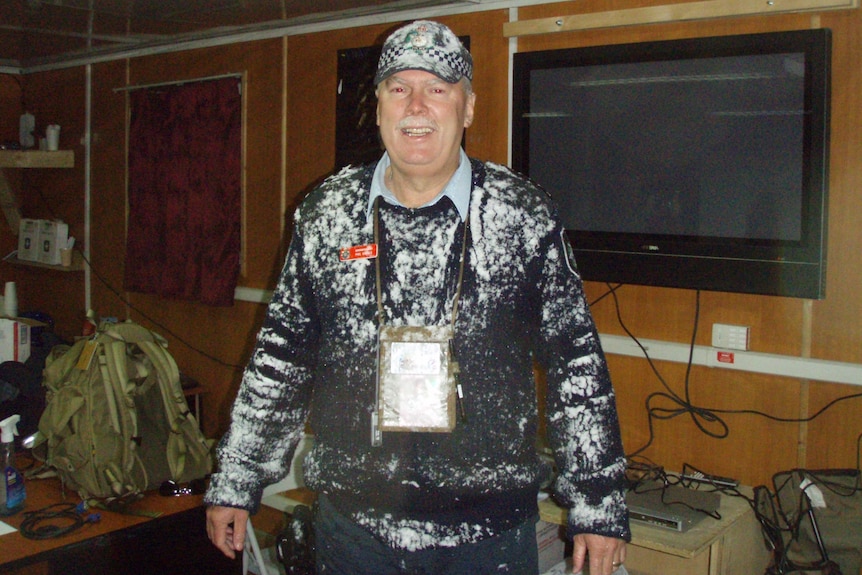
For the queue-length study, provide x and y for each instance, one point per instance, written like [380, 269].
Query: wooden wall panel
[838, 320]
[755, 447]
[10, 107]
[108, 197]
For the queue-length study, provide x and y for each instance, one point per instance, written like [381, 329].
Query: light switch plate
[730, 336]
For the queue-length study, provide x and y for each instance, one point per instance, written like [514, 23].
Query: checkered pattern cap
[428, 46]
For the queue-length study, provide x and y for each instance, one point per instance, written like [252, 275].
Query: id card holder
[415, 385]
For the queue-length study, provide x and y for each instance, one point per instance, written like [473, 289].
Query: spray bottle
[12, 484]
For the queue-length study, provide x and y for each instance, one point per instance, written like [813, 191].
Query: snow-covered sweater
[522, 302]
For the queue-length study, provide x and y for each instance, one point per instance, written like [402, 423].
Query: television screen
[698, 163]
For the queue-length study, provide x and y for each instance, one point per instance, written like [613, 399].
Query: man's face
[422, 120]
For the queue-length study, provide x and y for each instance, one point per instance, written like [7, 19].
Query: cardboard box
[28, 240]
[550, 543]
[15, 338]
[53, 236]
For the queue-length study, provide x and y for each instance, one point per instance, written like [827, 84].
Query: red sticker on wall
[364, 252]
[724, 356]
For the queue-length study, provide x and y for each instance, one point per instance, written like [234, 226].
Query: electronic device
[691, 475]
[697, 163]
[671, 507]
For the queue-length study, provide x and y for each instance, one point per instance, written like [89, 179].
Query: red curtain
[185, 199]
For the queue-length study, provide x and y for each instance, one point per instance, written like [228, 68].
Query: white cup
[52, 137]
[10, 300]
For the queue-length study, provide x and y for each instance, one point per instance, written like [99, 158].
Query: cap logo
[418, 40]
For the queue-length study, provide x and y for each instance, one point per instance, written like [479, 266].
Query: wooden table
[173, 542]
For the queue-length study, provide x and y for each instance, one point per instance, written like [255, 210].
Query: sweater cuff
[235, 489]
[597, 505]
[609, 518]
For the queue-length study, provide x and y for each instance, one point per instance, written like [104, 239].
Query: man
[427, 266]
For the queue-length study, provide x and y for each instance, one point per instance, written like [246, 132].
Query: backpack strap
[130, 332]
[189, 453]
[113, 378]
[176, 407]
[113, 363]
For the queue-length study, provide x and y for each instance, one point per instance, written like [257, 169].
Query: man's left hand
[606, 554]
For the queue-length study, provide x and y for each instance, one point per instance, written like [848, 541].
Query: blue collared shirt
[458, 188]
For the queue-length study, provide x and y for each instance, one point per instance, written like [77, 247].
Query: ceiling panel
[42, 31]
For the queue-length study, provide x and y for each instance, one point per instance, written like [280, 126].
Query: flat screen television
[697, 163]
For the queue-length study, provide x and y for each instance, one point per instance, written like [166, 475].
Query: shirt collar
[457, 189]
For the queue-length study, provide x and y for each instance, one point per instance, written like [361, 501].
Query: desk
[732, 545]
[173, 543]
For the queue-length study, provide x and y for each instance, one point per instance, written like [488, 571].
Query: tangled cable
[56, 520]
[707, 419]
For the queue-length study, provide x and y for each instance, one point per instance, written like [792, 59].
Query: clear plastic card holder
[416, 387]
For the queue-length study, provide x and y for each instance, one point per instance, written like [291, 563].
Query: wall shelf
[26, 159]
[77, 263]
[37, 159]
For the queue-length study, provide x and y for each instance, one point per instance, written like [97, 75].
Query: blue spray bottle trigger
[9, 428]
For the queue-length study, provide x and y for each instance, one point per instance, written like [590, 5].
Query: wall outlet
[730, 336]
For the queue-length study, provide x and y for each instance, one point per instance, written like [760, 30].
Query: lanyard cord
[381, 315]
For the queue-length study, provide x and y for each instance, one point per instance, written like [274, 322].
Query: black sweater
[521, 302]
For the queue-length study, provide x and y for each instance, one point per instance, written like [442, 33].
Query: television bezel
[791, 269]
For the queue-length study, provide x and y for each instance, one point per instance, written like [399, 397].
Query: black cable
[700, 415]
[55, 521]
[683, 405]
[611, 290]
[654, 479]
[778, 419]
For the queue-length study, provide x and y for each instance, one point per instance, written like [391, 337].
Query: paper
[6, 528]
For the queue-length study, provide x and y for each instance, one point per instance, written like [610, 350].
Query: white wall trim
[734, 360]
[771, 364]
[253, 295]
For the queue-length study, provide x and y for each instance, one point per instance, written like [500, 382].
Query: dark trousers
[344, 548]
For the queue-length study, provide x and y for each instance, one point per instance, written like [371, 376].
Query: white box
[550, 544]
[14, 339]
[53, 236]
[28, 240]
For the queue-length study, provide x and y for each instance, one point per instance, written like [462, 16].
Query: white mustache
[416, 122]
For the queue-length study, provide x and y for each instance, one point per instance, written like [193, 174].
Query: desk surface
[688, 544]
[16, 550]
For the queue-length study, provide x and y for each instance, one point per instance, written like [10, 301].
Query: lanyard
[381, 315]
[382, 413]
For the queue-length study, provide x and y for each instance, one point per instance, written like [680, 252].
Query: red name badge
[358, 252]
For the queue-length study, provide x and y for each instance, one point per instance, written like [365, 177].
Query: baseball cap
[425, 45]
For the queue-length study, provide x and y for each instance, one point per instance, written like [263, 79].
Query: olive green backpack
[116, 421]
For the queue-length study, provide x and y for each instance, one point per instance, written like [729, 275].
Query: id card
[416, 391]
